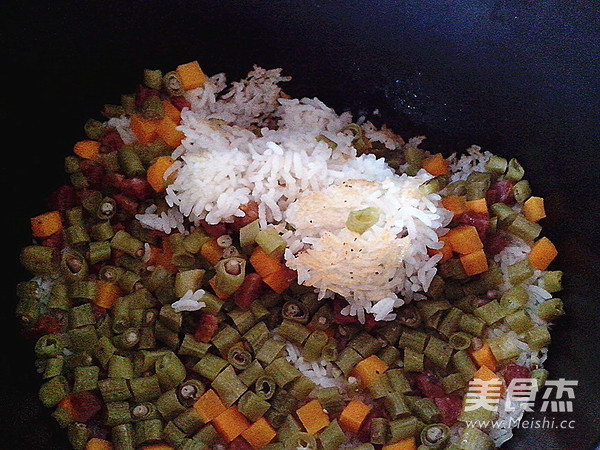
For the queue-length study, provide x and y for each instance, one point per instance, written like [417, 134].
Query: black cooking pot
[519, 77]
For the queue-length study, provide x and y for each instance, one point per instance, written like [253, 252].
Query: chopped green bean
[53, 391]
[438, 352]
[395, 405]
[145, 388]
[525, 229]
[404, 428]
[361, 220]
[114, 389]
[78, 435]
[252, 406]
[460, 341]
[123, 437]
[453, 382]
[265, 387]
[538, 338]
[551, 309]
[503, 347]
[168, 405]
[332, 437]
[514, 171]
[551, 281]
[519, 321]
[117, 413]
[85, 378]
[435, 436]
[281, 371]
[170, 371]
[210, 366]
[413, 360]
[491, 312]
[270, 350]
[188, 421]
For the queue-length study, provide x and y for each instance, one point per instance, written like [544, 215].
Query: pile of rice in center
[296, 159]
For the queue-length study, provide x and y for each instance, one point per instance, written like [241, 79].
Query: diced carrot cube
[436, 165]
[313, 417]
[259, 434]
[496, 388]
[281, 280]
[474, 263]
[230, 423]
[353, 416]
[156, 173]
[87, 149]
[446, 251]
[369, 369]
[46, 224]
[191, 75]
[171, 111]
[263, 264]
[209, 406]
[484, 357]
[456, 204]
[144, 130]
[464, 239]
[478, 206]
[534, 209]
[168, 132]
[211, 251]
[107, 294]
[542, 253]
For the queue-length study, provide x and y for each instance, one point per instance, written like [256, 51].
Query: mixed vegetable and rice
[229, 267]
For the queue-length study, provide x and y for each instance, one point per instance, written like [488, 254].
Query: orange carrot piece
[313, 417]
[369, 369]
[484, 357]
[353, 415]
[436, 165]
[209, 406]
[464, 239]
[263, 264]
[211, 251]
[259, 434]
[281, 280]
[163, 256]
[46, 224]
[87, 149]
[171, 112]
[191, 75]
[446, 250]
[456, 204]
[98, 444]
[478, 206]
[156, 173]
[168, 132]
[107, 294]
[230, 423]
[474, 263]
[485, 374]
[542, 253]
[534, 209]
[144, 130]
[408, 443]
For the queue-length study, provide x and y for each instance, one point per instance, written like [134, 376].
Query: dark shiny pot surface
[520, 78]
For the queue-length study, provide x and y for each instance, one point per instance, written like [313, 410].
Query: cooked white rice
[301, 183]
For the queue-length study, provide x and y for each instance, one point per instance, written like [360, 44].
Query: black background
[520, 78]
